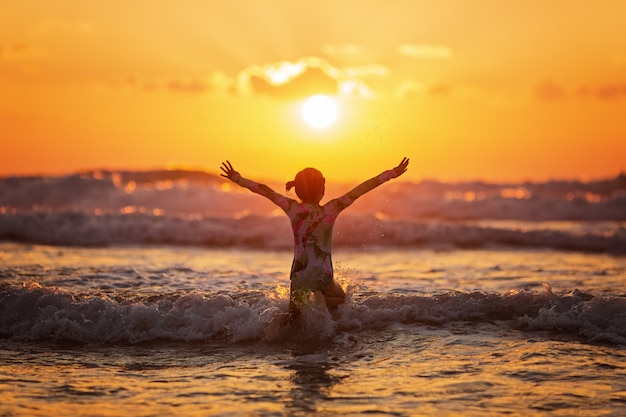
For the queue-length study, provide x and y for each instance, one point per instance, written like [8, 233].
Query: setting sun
[320, 111]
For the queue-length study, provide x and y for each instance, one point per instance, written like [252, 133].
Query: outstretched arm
[229, 172]
[261, 189]
[372, 183]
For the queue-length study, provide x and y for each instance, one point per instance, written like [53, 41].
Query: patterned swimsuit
[312, 225]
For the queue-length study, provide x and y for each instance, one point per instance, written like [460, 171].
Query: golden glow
[116, 85]
[320, 111]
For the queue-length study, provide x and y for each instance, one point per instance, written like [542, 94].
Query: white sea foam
[32, 312]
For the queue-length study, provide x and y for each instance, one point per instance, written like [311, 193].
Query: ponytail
[309, 184]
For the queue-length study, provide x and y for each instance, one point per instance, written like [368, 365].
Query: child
[312, 224]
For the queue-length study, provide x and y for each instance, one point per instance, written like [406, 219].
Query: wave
[199, 193]
[77, 228]
[199, 208]
[33, 313]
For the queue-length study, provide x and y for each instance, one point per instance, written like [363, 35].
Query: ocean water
[156, 293]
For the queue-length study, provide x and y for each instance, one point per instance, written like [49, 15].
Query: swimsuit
[312, 225]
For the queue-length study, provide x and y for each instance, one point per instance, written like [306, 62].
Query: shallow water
[154, 331]
[468, 369]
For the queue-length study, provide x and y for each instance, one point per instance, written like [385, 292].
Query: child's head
[309, 185]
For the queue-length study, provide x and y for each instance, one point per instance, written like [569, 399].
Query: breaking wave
[34, 313]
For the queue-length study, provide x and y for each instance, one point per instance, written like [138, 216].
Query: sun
[320, 111]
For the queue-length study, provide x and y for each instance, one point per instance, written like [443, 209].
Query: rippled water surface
[155, 331]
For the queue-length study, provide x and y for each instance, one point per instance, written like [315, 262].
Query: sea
[160, 293]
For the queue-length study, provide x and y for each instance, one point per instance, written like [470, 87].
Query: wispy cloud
[424, 51]
[550, 90]
[609, 91]
[346, 49]
[20, 51]
[413, 88]
[188, 85]
[174, 84]
[52, 26]
[372, 70]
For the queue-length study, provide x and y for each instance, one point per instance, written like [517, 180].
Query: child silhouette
[312, 224]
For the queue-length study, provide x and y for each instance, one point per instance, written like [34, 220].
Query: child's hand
[401, 169]
[229, 171]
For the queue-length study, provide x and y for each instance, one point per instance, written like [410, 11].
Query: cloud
[611, 91]
[346, 49]
[51, 26]
[305, 77]
[189, 85]
[367, 71]
[550, 90]
[413, 88]
[424, 51]
[280, 80]
[21, 52]
[133, 82]
[435, 89]
[287, 79]
[547, 90]
[309, 81]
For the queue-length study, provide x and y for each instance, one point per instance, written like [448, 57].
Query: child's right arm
[261, 189]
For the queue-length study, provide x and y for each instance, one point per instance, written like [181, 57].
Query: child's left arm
[372, 183]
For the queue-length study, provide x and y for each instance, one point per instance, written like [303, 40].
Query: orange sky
[481, 89]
